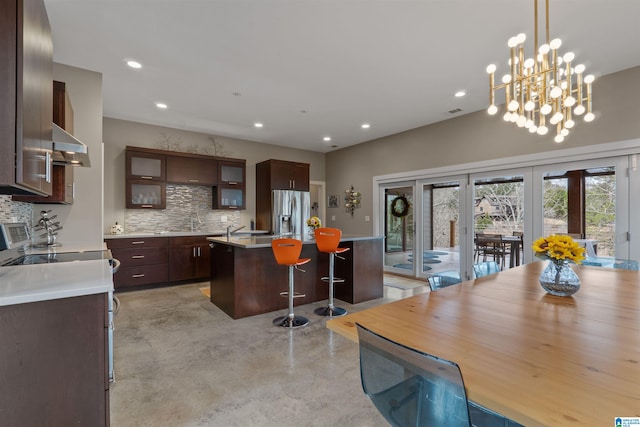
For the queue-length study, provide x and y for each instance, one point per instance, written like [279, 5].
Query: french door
[591, 198]
[399, 227]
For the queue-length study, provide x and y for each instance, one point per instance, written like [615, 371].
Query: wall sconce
[351, 199]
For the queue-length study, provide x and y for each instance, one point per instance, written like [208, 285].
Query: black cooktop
[58, 257]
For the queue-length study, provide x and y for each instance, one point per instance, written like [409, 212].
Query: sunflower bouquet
[314, 222]
[558, 249]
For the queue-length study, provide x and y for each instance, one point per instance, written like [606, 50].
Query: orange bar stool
[287, 252]
[327, 240]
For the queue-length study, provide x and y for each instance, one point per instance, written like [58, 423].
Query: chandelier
[543, 91]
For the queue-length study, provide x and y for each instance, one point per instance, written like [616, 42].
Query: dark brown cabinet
[143, 261]
[189, 258]
[284, 175]
[63, 187]
[26, 70]
[231, 189]
[54, 362]
[192, 170]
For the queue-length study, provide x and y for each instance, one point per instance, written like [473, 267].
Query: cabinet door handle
[232, 207]
[137, 276]
[193, 252]
[146, 177]
[138, 242]
[199, 253]
[233, 183]
[47, 169]
[137, 256]
[146, 206]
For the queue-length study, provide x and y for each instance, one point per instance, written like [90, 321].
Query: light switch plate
[366, 218]
[333, 217]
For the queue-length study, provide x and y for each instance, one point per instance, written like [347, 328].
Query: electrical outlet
[223, 218]
[366, 218]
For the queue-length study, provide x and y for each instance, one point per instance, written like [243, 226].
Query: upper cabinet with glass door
[230, 191]
[146, 174]
[145, 165]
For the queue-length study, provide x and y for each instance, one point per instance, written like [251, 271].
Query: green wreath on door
[400, 207]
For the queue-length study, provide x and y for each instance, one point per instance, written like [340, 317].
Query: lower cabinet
[143, 261]
[54, 363]
[189, 258]
[158, 260]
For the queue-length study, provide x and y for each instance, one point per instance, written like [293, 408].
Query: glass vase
[558, 278]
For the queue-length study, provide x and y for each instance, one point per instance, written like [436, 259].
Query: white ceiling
[314, 68]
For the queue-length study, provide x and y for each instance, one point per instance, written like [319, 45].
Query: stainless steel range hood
[67, 150]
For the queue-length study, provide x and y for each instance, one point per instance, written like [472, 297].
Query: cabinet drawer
[141, 275]
[141, 256]
[142, 242]
[188, 240]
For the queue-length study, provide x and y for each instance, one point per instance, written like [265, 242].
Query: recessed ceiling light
[365, 126]
[134, 64]
[258, 124]
[460, 94]
[327, 138]
[161, 105]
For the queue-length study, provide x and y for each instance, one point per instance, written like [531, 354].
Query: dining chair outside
[443, 279]
[413, 388]
[490, 245]
[485, 268]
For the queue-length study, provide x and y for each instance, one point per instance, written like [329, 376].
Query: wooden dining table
[538, 359]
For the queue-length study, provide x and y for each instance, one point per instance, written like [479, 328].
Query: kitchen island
[246, 280]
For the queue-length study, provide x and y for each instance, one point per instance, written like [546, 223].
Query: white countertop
[250, 242]
[40, 282]
[182, 233]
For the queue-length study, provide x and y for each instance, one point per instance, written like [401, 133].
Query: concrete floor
[181, 361]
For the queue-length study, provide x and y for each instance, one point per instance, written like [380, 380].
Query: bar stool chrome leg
[291, 320]
[331, 310]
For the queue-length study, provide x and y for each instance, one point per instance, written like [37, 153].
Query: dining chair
[413, 388]
[626, 264]
[490, 245]
[443, 279]
[611, 262]
[485, 268]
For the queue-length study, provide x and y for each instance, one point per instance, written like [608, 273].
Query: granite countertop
[250, 242]
[41, 282]
[163, 233]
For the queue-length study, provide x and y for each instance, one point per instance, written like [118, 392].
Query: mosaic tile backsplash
[15, 211]
[187, 205]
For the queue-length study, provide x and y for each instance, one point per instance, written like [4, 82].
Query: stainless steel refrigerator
[289, 212]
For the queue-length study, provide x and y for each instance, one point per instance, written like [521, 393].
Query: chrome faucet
[230, 231]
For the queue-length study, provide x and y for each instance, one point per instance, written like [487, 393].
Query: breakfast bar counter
[246, 280]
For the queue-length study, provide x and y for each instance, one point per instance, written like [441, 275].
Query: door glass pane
[399, 230]
[582, 203]
[499, 213]
[441, 242]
